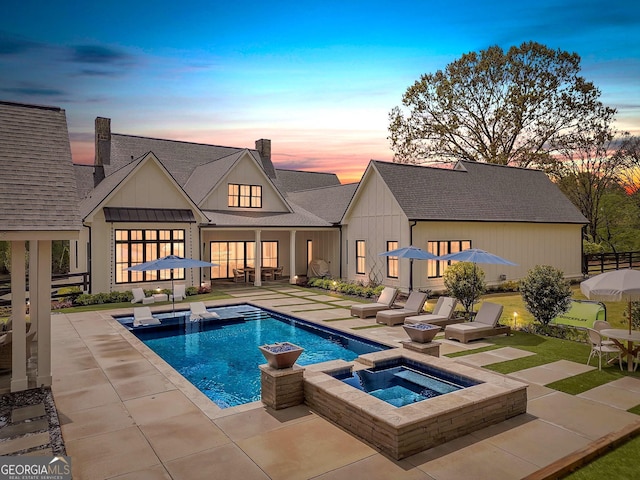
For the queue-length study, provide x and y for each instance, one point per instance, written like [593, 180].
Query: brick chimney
[102, 148]
[263, 146]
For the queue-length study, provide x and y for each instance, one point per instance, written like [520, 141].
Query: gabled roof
[205, 177]
[37, 183]
[84, 179]
[296, 180]
[328, 203]
[179, 158]
[475, 191]
[113, 182]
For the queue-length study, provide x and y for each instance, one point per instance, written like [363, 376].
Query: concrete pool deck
[125, 415]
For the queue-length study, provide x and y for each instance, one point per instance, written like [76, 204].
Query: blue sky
[317, 79]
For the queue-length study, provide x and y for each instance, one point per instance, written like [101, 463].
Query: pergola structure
[38, 204]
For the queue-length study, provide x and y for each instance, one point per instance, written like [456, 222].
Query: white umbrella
[412, 253]
[171, 262]
[616, 286]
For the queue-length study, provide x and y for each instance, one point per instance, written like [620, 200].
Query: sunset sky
[318, 79]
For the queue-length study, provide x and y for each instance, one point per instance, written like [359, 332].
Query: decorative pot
[281, 354]
[421, 332]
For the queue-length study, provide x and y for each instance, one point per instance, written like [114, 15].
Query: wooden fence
[604, 262]
[58, 282]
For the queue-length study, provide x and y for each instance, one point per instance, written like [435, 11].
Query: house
[146, 198]
[151, 197]
[38, 204]
[516, 213]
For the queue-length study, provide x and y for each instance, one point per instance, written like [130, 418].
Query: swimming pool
[221, 357]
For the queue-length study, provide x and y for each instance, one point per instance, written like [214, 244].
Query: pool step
[426, 381]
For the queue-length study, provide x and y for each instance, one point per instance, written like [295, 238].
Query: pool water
[401, 385]
[221, 357]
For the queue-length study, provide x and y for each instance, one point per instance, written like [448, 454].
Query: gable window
[138, 246]
[360, 257]
[392, 262]
[436, 269]
[249, 196]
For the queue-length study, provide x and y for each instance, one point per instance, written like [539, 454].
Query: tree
[629, 154]
[465, 281]
[545, 292]
[496, 107]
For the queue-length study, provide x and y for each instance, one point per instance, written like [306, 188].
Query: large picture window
[237, 255]
[360, 257]
[392, 262]
[436, 269]
[249, 196]
[138, 246]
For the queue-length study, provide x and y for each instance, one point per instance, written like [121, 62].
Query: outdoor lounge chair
[142, 317]
[599, 348]
[198, 310]
[443, 314]
[6, 348]
[413, 306]
[384, 302]
[138, 296]
[485, 324]
[179, 292]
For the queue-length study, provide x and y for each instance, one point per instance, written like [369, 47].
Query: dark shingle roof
[296, 180]
[179, 158]
[84, 179]
[477, 192]
[37, 183]
[328, 203]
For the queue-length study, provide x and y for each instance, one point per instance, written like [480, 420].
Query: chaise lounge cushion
[385, 300]
[142, 316]
[198, 310]
[442, 314]
[484, 325]
[414, 305]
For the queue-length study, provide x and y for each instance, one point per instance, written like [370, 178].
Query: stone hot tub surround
[404, 431]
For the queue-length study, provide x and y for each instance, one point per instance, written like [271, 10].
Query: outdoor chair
[384, 302]
[601, 325]
[600, 349]
[179, 292]
[238, 275]
[485, 324]
[413, 306]
[198, 310]
[139, 296]
[442, 315]
[142, 317]
[277, 273]
[6, 348]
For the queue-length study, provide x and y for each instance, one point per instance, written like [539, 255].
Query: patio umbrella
[616, 286]
[476, 255]
[412, 253]
[171, 262]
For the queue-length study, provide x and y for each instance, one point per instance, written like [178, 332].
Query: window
[360, 257]
[248, 196]
[442, 247]
[138, 246]
[234, 255]
[392, 262]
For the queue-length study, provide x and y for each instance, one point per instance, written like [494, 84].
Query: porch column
[18, 316]
[33, 284]
[292, 257]
[44, 313]
[258, 260]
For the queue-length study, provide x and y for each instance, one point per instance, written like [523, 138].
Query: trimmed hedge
[348, 288]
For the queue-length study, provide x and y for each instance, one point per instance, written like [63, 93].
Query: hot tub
[401, 431]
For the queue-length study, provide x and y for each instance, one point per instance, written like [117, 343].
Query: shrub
[69, 294]
[348, 288]
[545, 292]
[465, 281]
[635, 315]
[189, 291]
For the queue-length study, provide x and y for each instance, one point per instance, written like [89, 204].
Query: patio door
[228, 255]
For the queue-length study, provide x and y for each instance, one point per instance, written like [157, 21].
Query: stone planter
[281, 354]
[421, 332]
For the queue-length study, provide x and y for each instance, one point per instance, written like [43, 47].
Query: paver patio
[125, 414]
